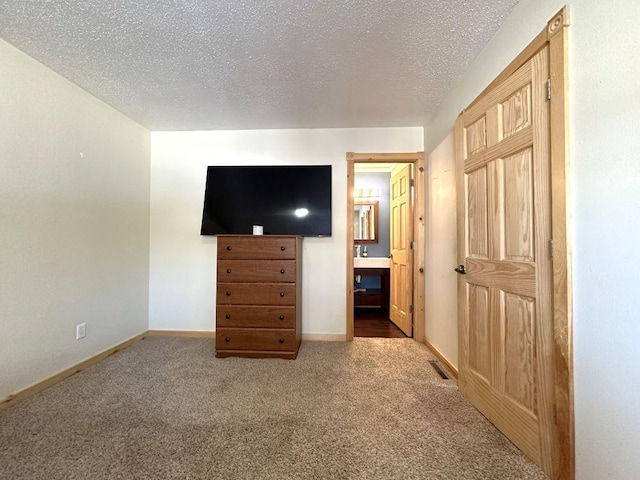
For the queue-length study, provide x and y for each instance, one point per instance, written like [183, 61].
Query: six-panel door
[504, 300]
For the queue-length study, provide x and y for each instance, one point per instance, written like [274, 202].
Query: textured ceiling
[239, 64]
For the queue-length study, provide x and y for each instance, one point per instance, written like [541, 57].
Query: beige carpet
[166, 408]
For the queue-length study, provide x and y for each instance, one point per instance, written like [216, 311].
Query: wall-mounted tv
[284, 199]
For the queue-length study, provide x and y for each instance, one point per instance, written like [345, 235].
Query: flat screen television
[283, 199]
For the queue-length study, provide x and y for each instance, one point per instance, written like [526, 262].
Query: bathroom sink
[371, 262]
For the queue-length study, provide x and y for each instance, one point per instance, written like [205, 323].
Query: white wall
[182, 269]
[605, 121]
[441, 323]
[74, 215]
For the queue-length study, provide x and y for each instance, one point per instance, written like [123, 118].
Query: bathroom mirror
[365, 222]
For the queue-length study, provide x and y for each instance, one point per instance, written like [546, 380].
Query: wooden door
[401, 287]
[504, 232]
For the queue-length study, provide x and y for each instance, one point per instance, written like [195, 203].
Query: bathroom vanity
[376, 297]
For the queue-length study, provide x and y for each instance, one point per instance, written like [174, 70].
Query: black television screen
[285, 200]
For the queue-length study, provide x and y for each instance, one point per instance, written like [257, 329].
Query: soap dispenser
[364, 251]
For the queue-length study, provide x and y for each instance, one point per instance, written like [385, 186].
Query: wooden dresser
[258, 297]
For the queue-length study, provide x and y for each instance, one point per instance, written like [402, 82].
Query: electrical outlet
[81, 331]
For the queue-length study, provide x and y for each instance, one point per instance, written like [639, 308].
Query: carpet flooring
[166, 408]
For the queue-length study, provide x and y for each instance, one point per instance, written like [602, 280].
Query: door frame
[556, 36]
[418, 212]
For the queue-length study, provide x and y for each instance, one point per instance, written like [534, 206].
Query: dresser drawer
[255, 339]
[257, 247]
[256, 294]
[257, 271]
[265, 317]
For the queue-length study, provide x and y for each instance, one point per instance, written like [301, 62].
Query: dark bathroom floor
[374, 323]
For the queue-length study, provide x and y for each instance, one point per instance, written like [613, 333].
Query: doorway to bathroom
[385, 245]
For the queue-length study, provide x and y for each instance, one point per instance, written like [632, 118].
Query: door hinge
[410, 308]
[548, 89]
[412, 182]
[551, 248]
[412, 245]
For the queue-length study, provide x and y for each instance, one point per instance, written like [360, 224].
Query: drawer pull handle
[228, 247]
[282, 294]
[281, 317]
[228, 294]
[228, 270]
[227, 316]
[282, 271]
[228, 339]
[282, 248]
[282, 340]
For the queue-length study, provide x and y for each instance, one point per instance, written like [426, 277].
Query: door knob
[460, 269]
